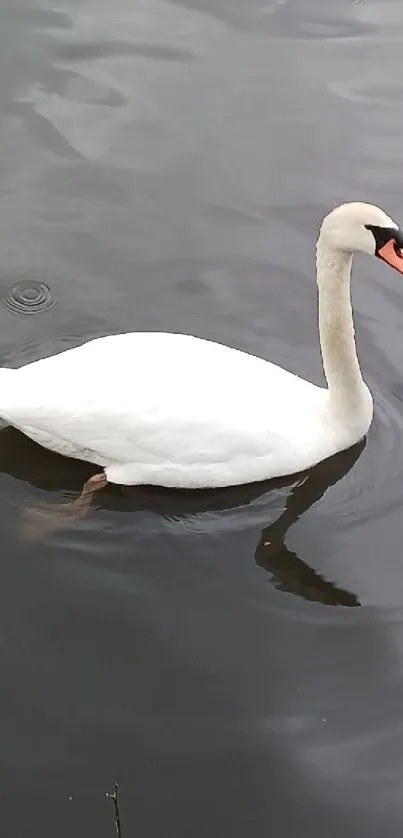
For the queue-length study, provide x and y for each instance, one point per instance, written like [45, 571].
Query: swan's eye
[397, 249]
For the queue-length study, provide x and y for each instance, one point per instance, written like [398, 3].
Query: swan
[179, 411]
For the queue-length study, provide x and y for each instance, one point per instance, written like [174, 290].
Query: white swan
[176, 410]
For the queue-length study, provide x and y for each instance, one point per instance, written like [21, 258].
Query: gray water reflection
[166, 165]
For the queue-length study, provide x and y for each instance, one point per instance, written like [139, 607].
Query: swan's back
[156, 365]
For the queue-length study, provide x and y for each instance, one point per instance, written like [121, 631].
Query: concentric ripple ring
[29, 297]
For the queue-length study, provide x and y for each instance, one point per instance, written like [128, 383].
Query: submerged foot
[93, 484]
[40, 522]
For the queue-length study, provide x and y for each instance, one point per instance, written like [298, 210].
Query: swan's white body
[176, 410]
[171, 410]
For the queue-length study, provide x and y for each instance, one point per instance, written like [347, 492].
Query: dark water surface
[166, 165]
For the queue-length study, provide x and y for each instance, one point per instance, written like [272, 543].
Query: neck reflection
[288, 571]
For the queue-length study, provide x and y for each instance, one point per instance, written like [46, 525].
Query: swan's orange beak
[391, 253]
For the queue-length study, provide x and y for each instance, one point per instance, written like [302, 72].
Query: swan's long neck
[347, 390]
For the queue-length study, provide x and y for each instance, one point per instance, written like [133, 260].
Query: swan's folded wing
[143, 428]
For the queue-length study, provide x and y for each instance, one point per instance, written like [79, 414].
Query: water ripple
[29, 297]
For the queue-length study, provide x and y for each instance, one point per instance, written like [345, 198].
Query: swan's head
[366, 229]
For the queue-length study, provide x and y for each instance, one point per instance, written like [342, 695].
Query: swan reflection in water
[24, 460]
[289, 572]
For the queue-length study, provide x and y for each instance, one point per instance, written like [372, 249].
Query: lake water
[234, 660]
